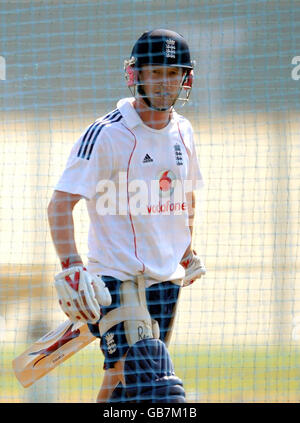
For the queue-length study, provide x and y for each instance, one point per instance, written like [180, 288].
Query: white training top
[135, 179]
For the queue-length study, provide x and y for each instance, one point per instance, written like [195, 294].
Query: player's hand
[194, 268]
[81, 294]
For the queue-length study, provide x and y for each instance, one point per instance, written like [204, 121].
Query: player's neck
[152, 118]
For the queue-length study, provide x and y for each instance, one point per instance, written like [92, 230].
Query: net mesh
[236, 335]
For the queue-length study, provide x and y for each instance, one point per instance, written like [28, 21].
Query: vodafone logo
[167, 181]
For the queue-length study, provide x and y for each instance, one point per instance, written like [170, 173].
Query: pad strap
[122, 314]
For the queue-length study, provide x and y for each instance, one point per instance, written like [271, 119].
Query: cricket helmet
[160, 47]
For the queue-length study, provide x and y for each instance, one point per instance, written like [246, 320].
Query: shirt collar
[125, 105]
[132, 118]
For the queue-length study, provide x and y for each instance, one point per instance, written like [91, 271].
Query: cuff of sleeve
[76, 190]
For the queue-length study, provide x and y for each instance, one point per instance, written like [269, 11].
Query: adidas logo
[147, 159]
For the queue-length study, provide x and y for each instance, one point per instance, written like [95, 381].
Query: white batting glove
[80, 294]
[194, 268]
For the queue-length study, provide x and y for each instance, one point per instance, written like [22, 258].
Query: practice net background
[235, 338]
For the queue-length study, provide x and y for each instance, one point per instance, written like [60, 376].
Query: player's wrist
[188, 254]
[71, 261]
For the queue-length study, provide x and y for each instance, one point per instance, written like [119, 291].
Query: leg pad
[119, 394]
[149, 374]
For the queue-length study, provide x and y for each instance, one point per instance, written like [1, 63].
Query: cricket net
[236, 337]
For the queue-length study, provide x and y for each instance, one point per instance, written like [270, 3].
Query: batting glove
[194, 268]
[80, 294]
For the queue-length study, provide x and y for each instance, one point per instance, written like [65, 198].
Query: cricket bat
[51, 350]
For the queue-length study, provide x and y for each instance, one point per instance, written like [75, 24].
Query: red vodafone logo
[167, 180]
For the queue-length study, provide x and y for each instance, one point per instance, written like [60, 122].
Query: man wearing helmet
[140, 252]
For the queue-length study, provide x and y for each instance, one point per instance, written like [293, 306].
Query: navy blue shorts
[161, 300]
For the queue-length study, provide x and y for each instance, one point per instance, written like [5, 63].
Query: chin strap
[142, 93]
[146, 99]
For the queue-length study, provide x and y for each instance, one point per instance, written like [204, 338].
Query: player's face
[161, 84]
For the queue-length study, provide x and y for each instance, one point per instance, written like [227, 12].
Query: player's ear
[188, 79]
[131, 75]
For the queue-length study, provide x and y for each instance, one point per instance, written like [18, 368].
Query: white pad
[133, 312]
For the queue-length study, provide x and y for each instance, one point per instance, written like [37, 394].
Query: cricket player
[137, 169]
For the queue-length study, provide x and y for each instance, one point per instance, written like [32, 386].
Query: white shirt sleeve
[88, 163]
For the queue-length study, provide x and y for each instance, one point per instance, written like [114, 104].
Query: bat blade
[51, 350]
